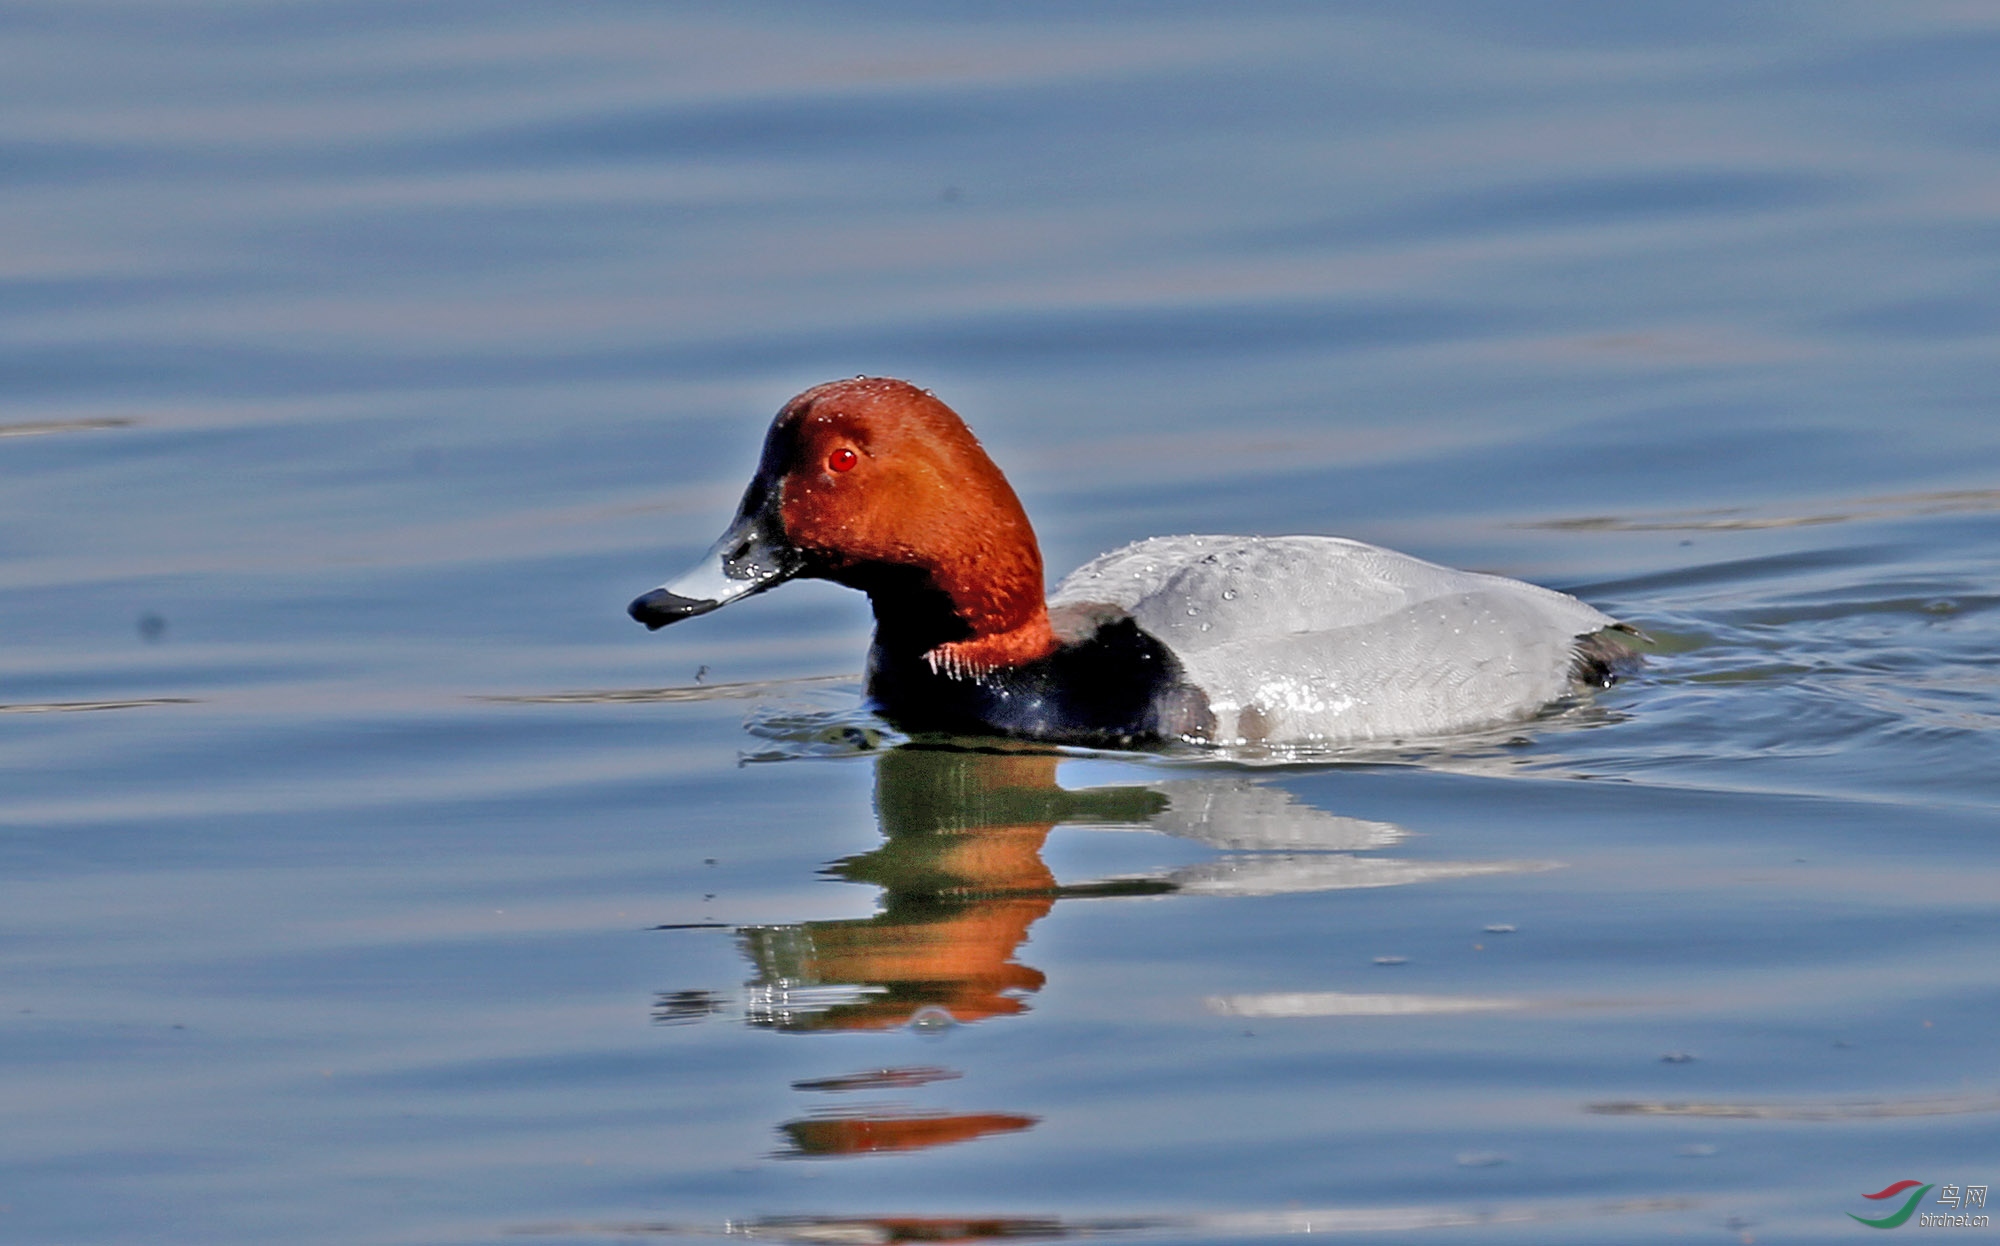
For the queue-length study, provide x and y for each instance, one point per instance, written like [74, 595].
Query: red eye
[842, 460]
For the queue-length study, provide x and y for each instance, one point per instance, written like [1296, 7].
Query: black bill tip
[660, 607]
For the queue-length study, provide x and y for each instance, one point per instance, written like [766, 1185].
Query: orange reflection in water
[863, 1135]
[962, 880]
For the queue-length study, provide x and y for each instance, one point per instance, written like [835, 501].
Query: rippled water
[367, 876]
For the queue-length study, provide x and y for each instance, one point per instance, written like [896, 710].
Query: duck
[1224, 641]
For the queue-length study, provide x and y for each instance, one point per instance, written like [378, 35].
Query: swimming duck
[1225, 640]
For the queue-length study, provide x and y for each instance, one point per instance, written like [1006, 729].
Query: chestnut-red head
[876, 484]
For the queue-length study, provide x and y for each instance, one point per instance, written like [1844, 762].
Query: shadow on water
[962, 880]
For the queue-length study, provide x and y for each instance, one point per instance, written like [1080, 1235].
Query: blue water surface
[367, 877]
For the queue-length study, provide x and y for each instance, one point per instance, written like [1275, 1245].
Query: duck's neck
[965, 621]
[981, 655]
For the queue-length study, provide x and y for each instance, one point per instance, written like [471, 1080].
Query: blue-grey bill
[749, 558]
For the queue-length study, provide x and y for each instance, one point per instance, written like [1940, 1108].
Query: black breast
[1117, 688]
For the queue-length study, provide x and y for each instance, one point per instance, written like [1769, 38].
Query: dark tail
[1603, 658]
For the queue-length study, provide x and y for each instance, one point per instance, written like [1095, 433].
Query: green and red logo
[1909, 1207]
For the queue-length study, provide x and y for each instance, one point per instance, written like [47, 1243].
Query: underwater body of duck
[1294, 640]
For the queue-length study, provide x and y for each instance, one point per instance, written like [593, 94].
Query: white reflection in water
[1282, 875]
[1344, 1004]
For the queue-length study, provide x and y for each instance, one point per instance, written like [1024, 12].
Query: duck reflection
[963, 880]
